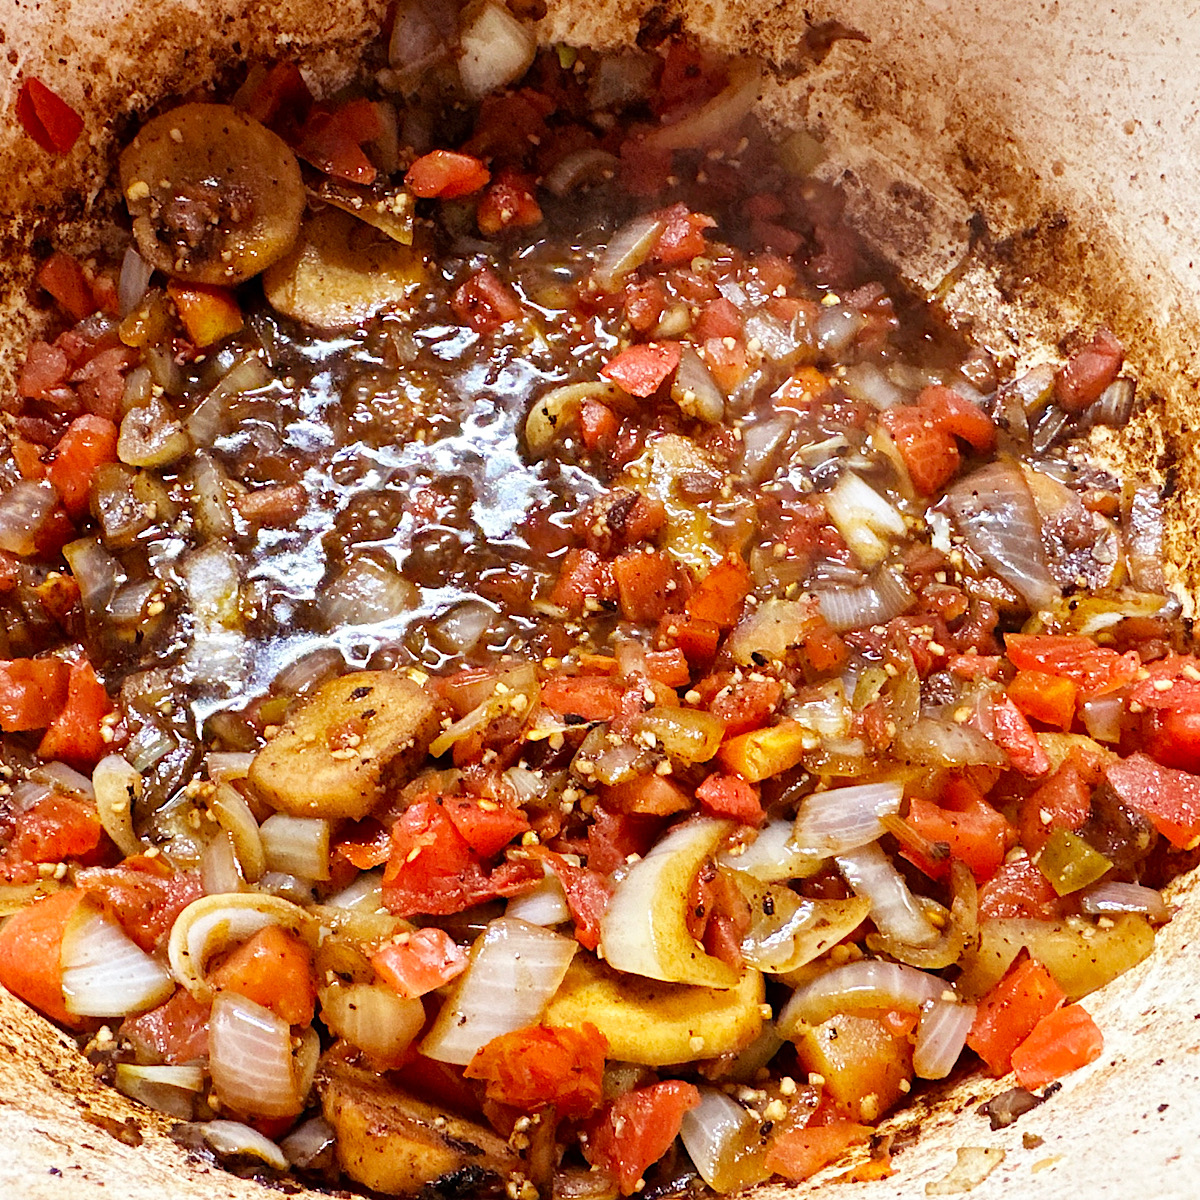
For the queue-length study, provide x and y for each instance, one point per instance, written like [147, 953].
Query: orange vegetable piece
[1061, 1042]
[32, 692]
[1044, 697]
[428, 958]
[208, 313]
[30, 945]
[74, 735]
[719, 596]
[1008, 1014]
[89, 441]
[273, 968]
[798, 1153]
[638, 1129]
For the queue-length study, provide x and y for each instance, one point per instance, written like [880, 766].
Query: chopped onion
[210, 575]
[364, 894]
[863, 517]
[421, 32]
[212, 506]
[619, 79]
[117, 786]
[104, 972]
[290, 887]
[459, 630]
[644, 929]
[520, 681]
[723, 113]
[844, 818]
[995, 512]
[723, 1141]
[171, 1090]
[546, 904]
[133, 281]
[66, 779]
[837, 327]
[1115, 405]
[772, 856]
[1116, 897]
[494, 48]
[787, 931]
[228, 766]
[781, 341]
[947, 744]
[695, 390]
[220, 871]
[250, 1058]
[885, 596]
[372, 1017]
[959, 927]
[213, 923]
[894, 909]
[515, 968]
[866, 382]
[207, 420]
[577, 168]
[366, 592]
[308, 1143]
[296, 845]
[557, 409]
[941, 1035]
[96, 571]
[627, 249]
[870, 983]
[762, 443]
[151, 436]
[24, 509]
[1103, 717]
[230, 1139]
[233, 814]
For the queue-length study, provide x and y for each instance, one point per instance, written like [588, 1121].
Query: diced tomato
[144, 894]
[798, 1153]
[1094, 669]
[533, 1067]
[510, 202]
[638, 1129]
[696, 638]
[101, 381]
[273, 968]
[644, 169]
[275, 96]
[75, 734]
[958, 417]
[669, 667]
[825, 649]
[56, 828]
[598, 425]
[208, 313]
[332, 141]
[727, 363]
[174, 1033]
[63, 277]
[642, 369]
[584, 575]
[32, 692]
[420, 962]
[487, 826]
[1019, 889]
[1044, 697]
[1171, 682]
[613, 836]
[1170, 798]
[1008, 1014]
[445, 175]
[1061, 1042]
[366, 844]
[30, 948]
[45, 369]
[592, 697]
[587, 892]
[1174, 739]
[89, 441]
[1082, 380]
[1064, 801]
[485, 302]
[1016, 738]
[650, 794]
[730, 796]
[966, 825]
[719, 596]
[718, 319]
[745, 704]
[47, 117]
[929, 452]
[644, 580]
[645, 300]
[682, 238]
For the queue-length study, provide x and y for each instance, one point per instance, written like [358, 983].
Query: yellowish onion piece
[644, 929]
[494, 48]
[864, 518]
[627, 249]
[557, 410]
[719, 116]
[772, 856]
[118, 786]
[250, 1058]
[842, 819]
[372, 1017]
[296, 845]
[233, 1139]
[167, 1089]
[515, 969]
[939, 743]
[867, 984]
[771, 629]
[214, 923]
[941, 1035]
[228, 766]
[884, 596]
[725, 1143]
[233, 814]
[545, 904]
[104, 972]
[515, 691]
[894, 908]
[686, 734]
[959, 928]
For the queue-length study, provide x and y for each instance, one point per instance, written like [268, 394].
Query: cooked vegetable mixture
[531, 664]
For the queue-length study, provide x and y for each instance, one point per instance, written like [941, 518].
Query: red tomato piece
[929, 452]
[1019, 889]
[486, 825]
[485, 302]
[587, 899]
[1094, 669]
[798, 1153]
[584, 576]
[510, 202]
[1061, 1042]
[746, 704]
[592, 697]
[421, 962]
[638, 1129]
[718, 319]
[1170, 798]
[30, 948]
[682, 238]
[44, 371]
[613, 836]
[644, 580]
[75, 734]
[88, 441]
[642, 369]
[32, 692]
[275, 96]
[598, 425]
[445, 175]
[1088, 372]
[1174, 739]
[1016, 738]
[63, 277]
[719, 596]
[669, 667]
[174, 1033]
[366, 844]
[730, 796]
[969, 828]
[56, 828]
[697, 639]
[144, 894]
[332, 141]
[47, 117]
[208, 313]
[1008, 1014]
[651, 794]
[273, 968]
[1064, 801]
[958, 417]
[1044, 697]
[533, 1067]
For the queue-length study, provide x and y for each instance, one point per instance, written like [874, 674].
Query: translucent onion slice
[307, 1143]
[627, 249]
[844, 818]
[515, 968]
[959, 927]
[250, 1059]
[546, 904]
[772, 856]
[1115, 897]
[117, 786]
[894, 909]
[885, 596]
[231, 1139]
[372, 1017]
[365, 893]
[233, 814]
[133, 281]
[721, 114]
[869, 983]
[213, 923]
[556, 411]
[941, 1035]
[494, 48]
[220, 872]
[788, 930]
[24, 509]
[723, 1141]
[946, 744]
[644, 929]
[296, 845]
[170, 1090]
[104, 972]
[863, 517]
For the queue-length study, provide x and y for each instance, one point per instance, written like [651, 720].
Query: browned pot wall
[1042, 154]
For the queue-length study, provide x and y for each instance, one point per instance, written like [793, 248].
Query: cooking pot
[1033, 164]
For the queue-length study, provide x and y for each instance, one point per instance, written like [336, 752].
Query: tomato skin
[1019, 889]
[971, 829]
[88, 441]
[174, 1033]
[1094, 669]
[929, 453]
[719, 596]
[1016, 738]
[47, 117]
[273, 968]
[798, 1153]
[30, 947]
[682, 238]
[1044, 697]
[745, 704]
[63, 277]
[1170, 798]
[332, 141]
[533, 1067]
[1008, 1014]
[486, 830]
[1174, 739]
[1088, 372]
[74, 736]
[208, 313]
[56, 828]
[144, 894]
[641, 370]
[485, 302]
[429, 958]
[1061, 1042]
[583, 576]
[730, 796]
[1064, 801]
[446, 175]
[592, 697]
